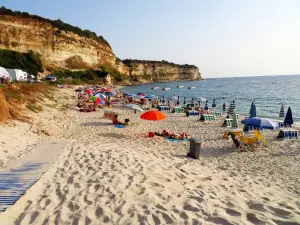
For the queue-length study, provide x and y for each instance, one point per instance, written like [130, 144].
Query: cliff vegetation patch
[29, 62]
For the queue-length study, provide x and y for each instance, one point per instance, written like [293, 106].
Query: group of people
[173, 135]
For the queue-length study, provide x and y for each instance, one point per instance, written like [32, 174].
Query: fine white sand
[108, 175]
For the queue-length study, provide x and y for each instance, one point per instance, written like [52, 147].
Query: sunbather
[115, 121]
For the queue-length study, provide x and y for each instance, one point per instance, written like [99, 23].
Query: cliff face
[62, 48]
[55, 46]
[162, 71]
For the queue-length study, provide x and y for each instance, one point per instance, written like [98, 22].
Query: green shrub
[29, 62]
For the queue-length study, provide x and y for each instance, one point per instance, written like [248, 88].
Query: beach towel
[176, 140]
[119, 126]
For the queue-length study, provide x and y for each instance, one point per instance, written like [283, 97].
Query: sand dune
[118, 176]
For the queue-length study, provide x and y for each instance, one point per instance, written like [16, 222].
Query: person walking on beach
[224, 107]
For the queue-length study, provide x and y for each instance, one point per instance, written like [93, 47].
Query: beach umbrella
[192, 101]
[150, 96]
[134, 107]
[233, 104]
[281, 113]
[288, 120]
[88, 91]
[100, 95]
[260, 123]
[253, 110]
[153, 115]
[93, 98]
[234, 121]
[206, 105]
[99, 101]
[142, 94]
[202, 99]
[214, 104]
[230, 110]
[174, 97]
[184, 102]
[251, 107]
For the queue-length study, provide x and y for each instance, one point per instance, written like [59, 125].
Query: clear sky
[221, 37]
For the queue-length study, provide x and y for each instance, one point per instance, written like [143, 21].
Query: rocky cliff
[62, 45]
[58, 48]
[161, 71]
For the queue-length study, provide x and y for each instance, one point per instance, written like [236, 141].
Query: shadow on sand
[113, 135]
[93, 124]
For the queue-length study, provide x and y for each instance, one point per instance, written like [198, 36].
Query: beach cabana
[288, 120]
[281, 113]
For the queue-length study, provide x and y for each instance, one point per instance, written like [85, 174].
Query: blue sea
[269, 92]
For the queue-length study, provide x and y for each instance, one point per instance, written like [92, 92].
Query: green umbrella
[93, 98]
[234, 121]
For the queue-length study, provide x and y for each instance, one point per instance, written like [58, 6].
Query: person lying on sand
[173, 135]
[115, 121]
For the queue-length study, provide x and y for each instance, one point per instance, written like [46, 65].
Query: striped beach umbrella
[233, 104]
[206, 105]
[231, 109]
[234, 120]
[281, 113]
[214, 104]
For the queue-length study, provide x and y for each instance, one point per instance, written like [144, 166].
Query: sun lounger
[228, 123]
[207, 117]
[163, 108]
[217, 114]
[236, 132]
[192, 113]
[178, 110]
[288, 134]
[238, 143]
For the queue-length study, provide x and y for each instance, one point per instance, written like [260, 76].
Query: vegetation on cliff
[89, 76]
[29, 62]
[60, 25]
[129, 62]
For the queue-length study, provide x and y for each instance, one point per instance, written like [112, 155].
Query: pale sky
[222, 37]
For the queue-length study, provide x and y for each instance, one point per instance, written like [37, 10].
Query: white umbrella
[134, 106]
[100, 95]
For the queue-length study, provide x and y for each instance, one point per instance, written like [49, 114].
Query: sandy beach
[107, 175]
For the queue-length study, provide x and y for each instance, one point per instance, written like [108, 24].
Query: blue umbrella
[214, 104]
[253, 110]
[251, 107]
[288, 120]
[260, 123]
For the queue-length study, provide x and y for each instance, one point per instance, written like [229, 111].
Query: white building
[3, 73]
[17, 75]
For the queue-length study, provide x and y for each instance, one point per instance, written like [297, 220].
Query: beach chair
[239, 144]
[217, 114]
[259, 137]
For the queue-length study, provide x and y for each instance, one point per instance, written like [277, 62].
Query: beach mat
[177, 140]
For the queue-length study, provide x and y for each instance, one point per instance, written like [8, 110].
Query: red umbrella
[88, 91]
[153, 115]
